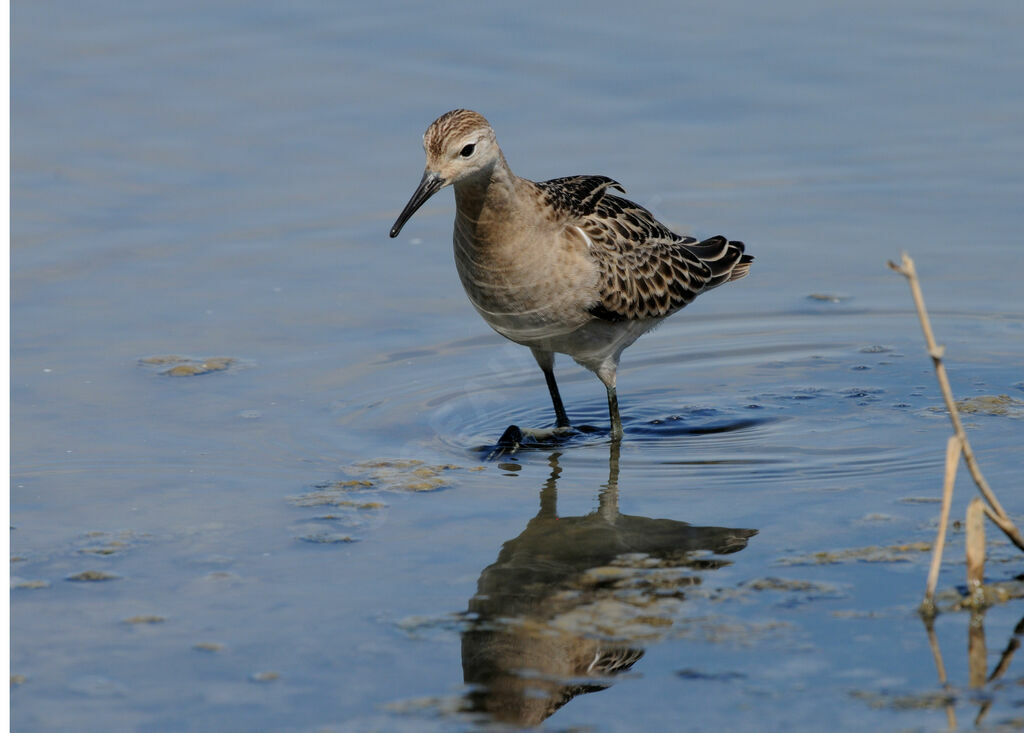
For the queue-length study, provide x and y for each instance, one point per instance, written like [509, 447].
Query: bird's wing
[645, 269]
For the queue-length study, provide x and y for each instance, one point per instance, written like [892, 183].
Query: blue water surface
[312, 538]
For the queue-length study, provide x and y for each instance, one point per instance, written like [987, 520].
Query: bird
[562, 266]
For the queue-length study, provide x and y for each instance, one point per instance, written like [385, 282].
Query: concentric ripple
[804, 397]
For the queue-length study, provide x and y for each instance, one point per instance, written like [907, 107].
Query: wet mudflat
[252, 474]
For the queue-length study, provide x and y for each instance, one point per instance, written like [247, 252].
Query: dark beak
[429, 185]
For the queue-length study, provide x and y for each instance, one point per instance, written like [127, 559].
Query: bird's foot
[547, 435]
[511, 439]
[515, 438]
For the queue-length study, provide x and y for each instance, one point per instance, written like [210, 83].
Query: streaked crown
[453, 126]
[459, 144]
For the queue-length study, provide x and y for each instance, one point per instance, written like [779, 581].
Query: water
[311, 539]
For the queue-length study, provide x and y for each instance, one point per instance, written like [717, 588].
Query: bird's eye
[467, 151]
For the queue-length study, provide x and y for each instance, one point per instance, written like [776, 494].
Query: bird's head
[459, 145]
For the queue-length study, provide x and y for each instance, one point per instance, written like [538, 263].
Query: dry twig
[953, 447]
[994, 510]
[975, 529]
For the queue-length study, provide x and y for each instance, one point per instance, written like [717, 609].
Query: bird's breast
[529, 284]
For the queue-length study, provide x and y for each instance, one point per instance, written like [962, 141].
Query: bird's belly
[525, 316]
[549, 316]
[597, 344]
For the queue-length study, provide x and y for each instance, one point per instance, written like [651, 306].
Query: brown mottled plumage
[563, 265]
[647, 270]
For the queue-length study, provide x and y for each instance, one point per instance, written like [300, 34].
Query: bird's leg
[613, 413]
[561, 419]
[606, 373]
[546, 361]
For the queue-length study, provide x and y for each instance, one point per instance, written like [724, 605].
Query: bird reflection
[572, 601]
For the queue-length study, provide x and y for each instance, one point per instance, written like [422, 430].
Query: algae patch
[183, 366]
[991, 594]
[109, 543]
[354, 501]
[407, 474]
[1001, 405]
[92, 576]
[791, 586]
[893, 553]
[21, 584]
[924, 701]
[796, 591]
[828, 298]
[327, 538]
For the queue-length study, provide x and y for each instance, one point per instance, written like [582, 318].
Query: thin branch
[974, 526]
[906, 268]
[1004, 524]
[953, 447]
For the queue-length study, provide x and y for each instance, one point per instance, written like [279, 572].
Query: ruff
[562, 266]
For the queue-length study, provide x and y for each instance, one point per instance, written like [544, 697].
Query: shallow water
[312, 538]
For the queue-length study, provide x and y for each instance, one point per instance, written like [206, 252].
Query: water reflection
[573, 601]
[979, 679]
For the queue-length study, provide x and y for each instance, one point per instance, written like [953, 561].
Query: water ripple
[770, 396]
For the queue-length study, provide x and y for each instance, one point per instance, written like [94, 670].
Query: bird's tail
[725, 258]
[742, 267]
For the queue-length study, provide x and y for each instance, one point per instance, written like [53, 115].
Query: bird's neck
[485, 203]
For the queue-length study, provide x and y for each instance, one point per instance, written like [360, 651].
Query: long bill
[430, 184]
